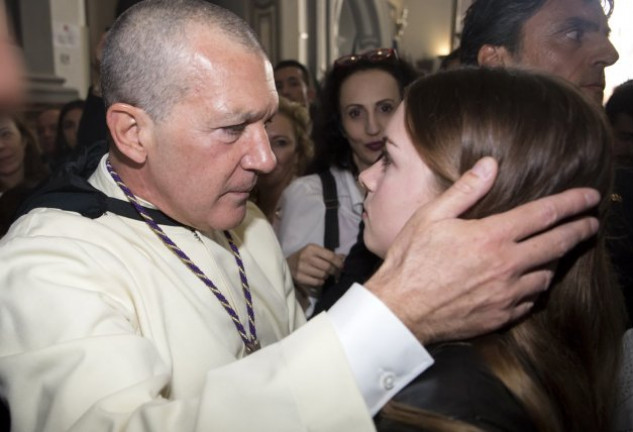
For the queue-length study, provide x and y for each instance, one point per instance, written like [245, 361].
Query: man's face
[569, 38]
[290, 84]
[205, 156]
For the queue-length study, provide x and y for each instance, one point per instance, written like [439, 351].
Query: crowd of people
[211, 242]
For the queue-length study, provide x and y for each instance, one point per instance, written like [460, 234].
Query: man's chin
[595, 93]
[229, 219]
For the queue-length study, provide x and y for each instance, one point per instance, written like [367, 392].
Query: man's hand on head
[448, 278]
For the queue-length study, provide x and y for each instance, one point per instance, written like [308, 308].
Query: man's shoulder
[47, 221]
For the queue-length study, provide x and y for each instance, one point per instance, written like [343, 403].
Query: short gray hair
[144, 51]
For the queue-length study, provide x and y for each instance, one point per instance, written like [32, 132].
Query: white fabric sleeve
[301, 206]
[624, 405]
[383, 354]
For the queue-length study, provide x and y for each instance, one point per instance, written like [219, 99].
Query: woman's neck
[11, 180]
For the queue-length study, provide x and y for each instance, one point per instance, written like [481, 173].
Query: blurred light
[622, 39]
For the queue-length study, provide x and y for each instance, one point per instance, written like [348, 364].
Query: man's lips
[593, 86]
[241, 190]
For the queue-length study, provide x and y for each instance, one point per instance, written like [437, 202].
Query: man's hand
[448, 278]
[312, 265]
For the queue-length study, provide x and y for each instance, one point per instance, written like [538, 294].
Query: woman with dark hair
[555, 370]
[21, 166]
[69, 118]
[359, 95]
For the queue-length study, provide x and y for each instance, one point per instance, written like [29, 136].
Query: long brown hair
[561, 360]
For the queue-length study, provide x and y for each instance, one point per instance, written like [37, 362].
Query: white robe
[103, 328]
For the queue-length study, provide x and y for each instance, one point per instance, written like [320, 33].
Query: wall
[428, 33]
[70, 43]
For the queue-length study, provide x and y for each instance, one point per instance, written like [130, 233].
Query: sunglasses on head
[374, 56]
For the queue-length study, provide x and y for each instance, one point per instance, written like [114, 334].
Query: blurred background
[60, 37]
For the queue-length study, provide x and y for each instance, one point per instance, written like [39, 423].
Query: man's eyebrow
[247, 117]
[583, 24]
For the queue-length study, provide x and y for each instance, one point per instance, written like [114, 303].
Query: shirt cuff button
[388, 381]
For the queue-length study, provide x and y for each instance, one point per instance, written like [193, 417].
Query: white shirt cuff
[383, 354]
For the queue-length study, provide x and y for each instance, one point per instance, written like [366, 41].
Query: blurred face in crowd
[397, 184]
[368, 99]
[11, 67]
[570, 39]
[623, 131]
[70, 124]
[12, 148]
[46, 127]
[283, 142]
[290, 83]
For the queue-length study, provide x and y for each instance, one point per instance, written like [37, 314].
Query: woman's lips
[375, 146]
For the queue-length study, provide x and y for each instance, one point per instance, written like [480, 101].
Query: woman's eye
[386, 108]
[280, 142]
[354, 113]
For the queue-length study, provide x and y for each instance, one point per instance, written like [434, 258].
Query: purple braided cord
[250, 343]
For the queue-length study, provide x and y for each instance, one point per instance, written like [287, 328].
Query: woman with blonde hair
[555, 370]
[289, 136]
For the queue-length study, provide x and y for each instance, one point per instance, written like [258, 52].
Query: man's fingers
[536, 216]
[553, 244]
[532, 284]
[466, 191]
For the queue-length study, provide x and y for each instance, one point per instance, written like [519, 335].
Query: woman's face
[12, 147]
[70, 124]
[368, 99]
[396, 185]
[283, 142]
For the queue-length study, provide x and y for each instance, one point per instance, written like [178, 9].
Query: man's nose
[259, 156]
[607, 54]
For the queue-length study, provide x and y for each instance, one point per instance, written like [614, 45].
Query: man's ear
[130, 128]
[494, 56]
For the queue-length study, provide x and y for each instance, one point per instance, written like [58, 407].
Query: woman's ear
[493, 56]
[130, 128]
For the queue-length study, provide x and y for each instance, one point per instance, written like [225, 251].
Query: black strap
[330, 198]
[69, 190]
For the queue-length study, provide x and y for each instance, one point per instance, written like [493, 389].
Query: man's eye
[235, 130]
[575, 35]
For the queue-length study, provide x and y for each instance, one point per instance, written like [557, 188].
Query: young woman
[69, 118]
[358, 97]
[555, 369]
[289, 135]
